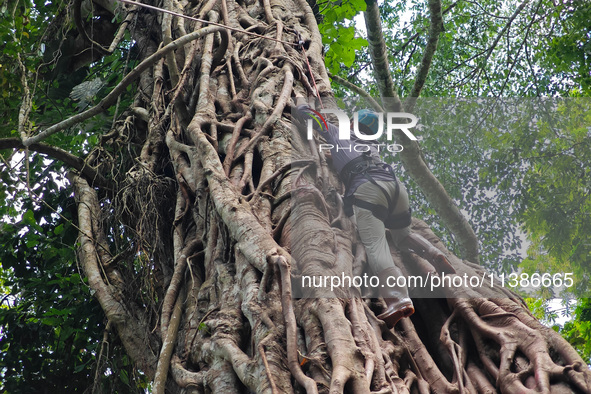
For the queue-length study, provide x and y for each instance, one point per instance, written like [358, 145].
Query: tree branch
[411, 155]
[132, 331]
[356, 89]
[175, 285]
[184, 377]
[502, 32]
[379, 55]
[524, 42]
[276, 114]
[90, 173]
[435, 29]
[418, 33]
[111, 98]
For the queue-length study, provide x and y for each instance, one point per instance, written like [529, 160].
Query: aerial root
[261, 349]
[422, 361]
[347, 359]
[455, 351]
[521, 348]
[363, 340]
[290, 326]
[185, 378]
[175, 284]
[410, 379]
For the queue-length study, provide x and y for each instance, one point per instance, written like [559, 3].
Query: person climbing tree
[378, 202]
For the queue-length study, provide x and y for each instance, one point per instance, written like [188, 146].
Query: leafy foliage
[543, 166]
[532, 177]
[49, 324]
[569, 54]
[578, 330]
[338, 34]
[51, 327]
[523, 185]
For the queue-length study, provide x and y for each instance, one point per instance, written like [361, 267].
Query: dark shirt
[342, 152]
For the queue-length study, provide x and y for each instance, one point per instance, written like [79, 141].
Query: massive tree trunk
[200, 295]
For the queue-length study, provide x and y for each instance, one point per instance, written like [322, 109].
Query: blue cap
[369, 119]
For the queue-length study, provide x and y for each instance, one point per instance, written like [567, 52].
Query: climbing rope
[299, 45]
[206, 22]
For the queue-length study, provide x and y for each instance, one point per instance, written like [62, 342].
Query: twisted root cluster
[215, 311]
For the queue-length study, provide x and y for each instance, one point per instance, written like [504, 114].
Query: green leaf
[124, 377]
[358, 43]
[59, 229]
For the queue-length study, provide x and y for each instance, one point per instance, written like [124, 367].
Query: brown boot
[398, 308]
[426, 250]
[398, 305]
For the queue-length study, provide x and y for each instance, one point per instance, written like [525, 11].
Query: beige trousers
[372, 230]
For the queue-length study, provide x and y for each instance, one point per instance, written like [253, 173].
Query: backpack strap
[399, 221]
[391, 221]
[360, 166]
[378, 211]
[357, 166]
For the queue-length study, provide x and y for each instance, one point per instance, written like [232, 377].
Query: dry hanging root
[525, 364]
[253, 212]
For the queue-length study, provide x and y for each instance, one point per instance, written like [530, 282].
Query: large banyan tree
[202, 204]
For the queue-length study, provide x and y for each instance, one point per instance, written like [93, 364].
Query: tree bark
[215, 204]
